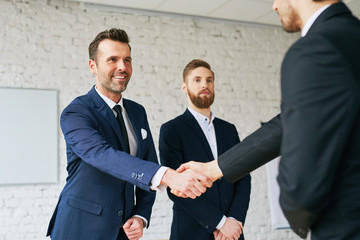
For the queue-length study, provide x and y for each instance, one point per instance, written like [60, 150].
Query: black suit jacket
[319, 130]
[182, 140]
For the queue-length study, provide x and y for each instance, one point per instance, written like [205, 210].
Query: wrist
[214, 171]
[165, 180]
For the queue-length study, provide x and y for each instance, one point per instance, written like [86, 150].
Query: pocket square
[143, 133]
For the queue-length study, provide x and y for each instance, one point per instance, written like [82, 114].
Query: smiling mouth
[120, 77]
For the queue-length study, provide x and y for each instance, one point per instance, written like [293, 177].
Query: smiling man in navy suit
[109, 150]
[197, 134]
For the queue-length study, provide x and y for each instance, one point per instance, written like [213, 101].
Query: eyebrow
[110, 57]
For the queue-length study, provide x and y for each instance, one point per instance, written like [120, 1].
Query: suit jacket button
[120, 213]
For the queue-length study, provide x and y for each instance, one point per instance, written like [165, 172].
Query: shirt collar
[201, 118]
[312, 19]
[110, 102]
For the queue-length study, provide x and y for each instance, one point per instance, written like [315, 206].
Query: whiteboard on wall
[278, 220]
[28, 136]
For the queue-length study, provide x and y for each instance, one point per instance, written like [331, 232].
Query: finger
[192, 193]
[133, 234]
[198, 188]
[178, 193]
[203, 179]
[181, 168]
[127, 224]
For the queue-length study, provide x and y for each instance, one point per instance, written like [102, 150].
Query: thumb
[182, 168]
[127, 224]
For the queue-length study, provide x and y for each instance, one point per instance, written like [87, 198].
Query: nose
[274, 7]
[121, 65]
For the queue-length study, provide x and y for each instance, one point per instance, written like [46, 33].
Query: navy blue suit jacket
[182, 140]
[101, 177]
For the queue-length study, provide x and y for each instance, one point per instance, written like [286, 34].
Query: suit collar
[312, 19]
[332, 11]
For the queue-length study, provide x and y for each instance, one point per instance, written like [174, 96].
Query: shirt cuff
[221, 223]
[156, 180]
[219, 167]
[144, 220]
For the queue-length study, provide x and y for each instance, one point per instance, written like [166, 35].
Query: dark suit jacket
[182, 140]
[319, 126]
[101, 177]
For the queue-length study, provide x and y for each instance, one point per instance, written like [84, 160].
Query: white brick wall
[43, 44]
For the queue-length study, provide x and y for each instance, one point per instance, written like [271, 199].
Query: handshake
[191, 179]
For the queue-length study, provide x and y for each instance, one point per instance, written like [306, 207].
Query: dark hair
[193, 64]
[115, 34]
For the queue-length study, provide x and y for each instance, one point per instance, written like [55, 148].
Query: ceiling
[254, 11]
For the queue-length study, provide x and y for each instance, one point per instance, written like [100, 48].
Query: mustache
[205, 91]
[123, 72]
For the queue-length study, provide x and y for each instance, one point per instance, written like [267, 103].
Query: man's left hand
[133, 228]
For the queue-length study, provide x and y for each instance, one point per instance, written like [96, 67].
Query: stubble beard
[292, 21]
[114, 87]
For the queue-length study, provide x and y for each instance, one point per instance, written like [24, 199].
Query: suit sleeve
[254, 151]
[82, 135]
[318, 92]
[204, 212]
[241, 196]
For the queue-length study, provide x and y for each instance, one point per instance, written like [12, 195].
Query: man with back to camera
[220, 212]
[318, 130]
[109, 150]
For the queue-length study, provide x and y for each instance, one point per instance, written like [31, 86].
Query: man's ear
[92, 66]
[184, 87]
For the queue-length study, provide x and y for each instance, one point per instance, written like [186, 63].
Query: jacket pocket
[84, 205]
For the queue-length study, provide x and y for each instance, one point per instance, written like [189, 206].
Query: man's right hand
[187, 183]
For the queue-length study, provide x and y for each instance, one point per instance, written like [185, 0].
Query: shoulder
[133, 105]
[82, 102]
[223, 123]
[173, 123]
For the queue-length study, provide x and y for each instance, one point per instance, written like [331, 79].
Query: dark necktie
[120, 119]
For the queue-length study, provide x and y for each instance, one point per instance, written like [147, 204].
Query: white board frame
[28, 136]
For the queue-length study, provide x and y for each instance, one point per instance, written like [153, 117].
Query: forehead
[108, 47]
[200, 72]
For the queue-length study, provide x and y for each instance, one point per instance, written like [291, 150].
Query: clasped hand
[192, 178]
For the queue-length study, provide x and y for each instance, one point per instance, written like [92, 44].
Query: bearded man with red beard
[197, 135]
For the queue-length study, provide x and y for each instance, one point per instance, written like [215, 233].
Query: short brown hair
[193, 64]
[115, 34]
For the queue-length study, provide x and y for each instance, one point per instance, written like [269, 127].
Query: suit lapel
[198, 132]
[219, 134]
[107, 113]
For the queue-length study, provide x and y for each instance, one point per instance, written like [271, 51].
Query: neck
[203, 111]
[307, 8]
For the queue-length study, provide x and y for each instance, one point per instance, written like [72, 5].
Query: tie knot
[117, 109]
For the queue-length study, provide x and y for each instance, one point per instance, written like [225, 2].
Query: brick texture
[43, 44]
